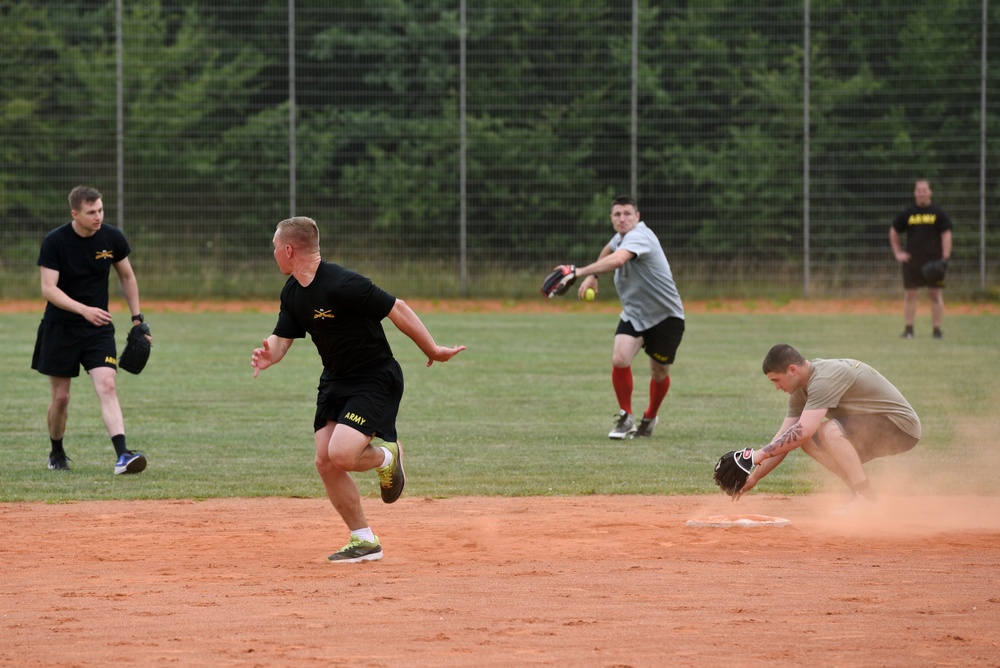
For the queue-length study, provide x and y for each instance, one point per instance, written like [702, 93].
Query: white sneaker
[856, 506]
[624, 427]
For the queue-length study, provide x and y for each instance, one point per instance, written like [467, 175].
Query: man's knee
[60, 400]
[103, 379]
[658, 372]
[621, 361]
[828, 430]
[60, 393]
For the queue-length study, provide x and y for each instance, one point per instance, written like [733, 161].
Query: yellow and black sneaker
[391, 478]
[356, 551]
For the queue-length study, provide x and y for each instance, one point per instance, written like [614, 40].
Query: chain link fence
[449, 150]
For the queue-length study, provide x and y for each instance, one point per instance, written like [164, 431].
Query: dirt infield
[609, 582]
[542, 581]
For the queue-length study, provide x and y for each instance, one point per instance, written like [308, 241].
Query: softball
[589, 295]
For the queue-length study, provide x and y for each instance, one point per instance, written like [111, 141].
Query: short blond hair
[300, 232]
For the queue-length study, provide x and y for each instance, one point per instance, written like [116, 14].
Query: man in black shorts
[928, 238]
[361, 384]
[842, 413]
[652, 313]
[75, 261]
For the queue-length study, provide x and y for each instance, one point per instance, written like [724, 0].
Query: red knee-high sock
[621, 378]
[657, 393]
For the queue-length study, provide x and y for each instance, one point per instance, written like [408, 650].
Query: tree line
[547, 100]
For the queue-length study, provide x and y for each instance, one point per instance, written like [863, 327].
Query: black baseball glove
[733, 469]
[133, 359]
[934, 270]
[557, 283]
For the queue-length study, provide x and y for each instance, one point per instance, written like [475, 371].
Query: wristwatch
[138, 316]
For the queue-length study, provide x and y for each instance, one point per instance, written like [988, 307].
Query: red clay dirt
[540, 581]
[600, 581]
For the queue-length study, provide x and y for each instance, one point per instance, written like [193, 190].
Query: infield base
[738, 521]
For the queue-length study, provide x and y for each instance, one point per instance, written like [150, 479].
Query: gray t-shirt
[849, 387]
[645, 284]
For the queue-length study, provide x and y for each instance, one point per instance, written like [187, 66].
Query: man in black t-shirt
[361, 384]
[928, 238]
[76, 330]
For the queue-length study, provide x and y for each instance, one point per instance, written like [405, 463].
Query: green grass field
[524, 411]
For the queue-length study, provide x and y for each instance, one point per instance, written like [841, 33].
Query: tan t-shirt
[849, 387]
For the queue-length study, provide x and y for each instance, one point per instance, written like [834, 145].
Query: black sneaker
[391, 478]
[645, 428]
[58, 462]
[938, 334]
[907, 334]
[624, 427]
[357, 550]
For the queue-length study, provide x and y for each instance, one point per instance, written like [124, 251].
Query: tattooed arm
[794, 432]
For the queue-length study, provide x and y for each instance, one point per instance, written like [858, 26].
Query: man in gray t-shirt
[652, 313]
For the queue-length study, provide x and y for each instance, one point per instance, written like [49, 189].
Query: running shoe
[130, 462]
[391, 478]
[356, 551]
[58, 463]
[645, 428]
[624, 427]
[856, 506]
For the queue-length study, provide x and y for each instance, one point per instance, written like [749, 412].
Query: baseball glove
[557, 283]
[133, 359]
[733, 469]
[934, 270]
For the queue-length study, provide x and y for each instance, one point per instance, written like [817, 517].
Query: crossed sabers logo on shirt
[104, 255]
[321, 313]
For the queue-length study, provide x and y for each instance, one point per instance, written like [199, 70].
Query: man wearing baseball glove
[841, 412]
[75, 261]
[652, 315]
[925, 260]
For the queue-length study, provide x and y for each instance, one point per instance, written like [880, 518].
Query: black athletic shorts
[872, 436]
[367, 401]
[61, 349]
[660, 341]
[913, 276]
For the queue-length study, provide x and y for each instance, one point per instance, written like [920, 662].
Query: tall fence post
[120, 113]
[634, 148]
[292, 158]
[805, 148]
[463, 211]
[982, 153]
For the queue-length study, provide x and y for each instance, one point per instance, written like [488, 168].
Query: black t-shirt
[923, 226]
[342, 311]
[83, 264]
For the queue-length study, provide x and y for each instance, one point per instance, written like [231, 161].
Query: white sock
[387, 459]
[364, 534]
